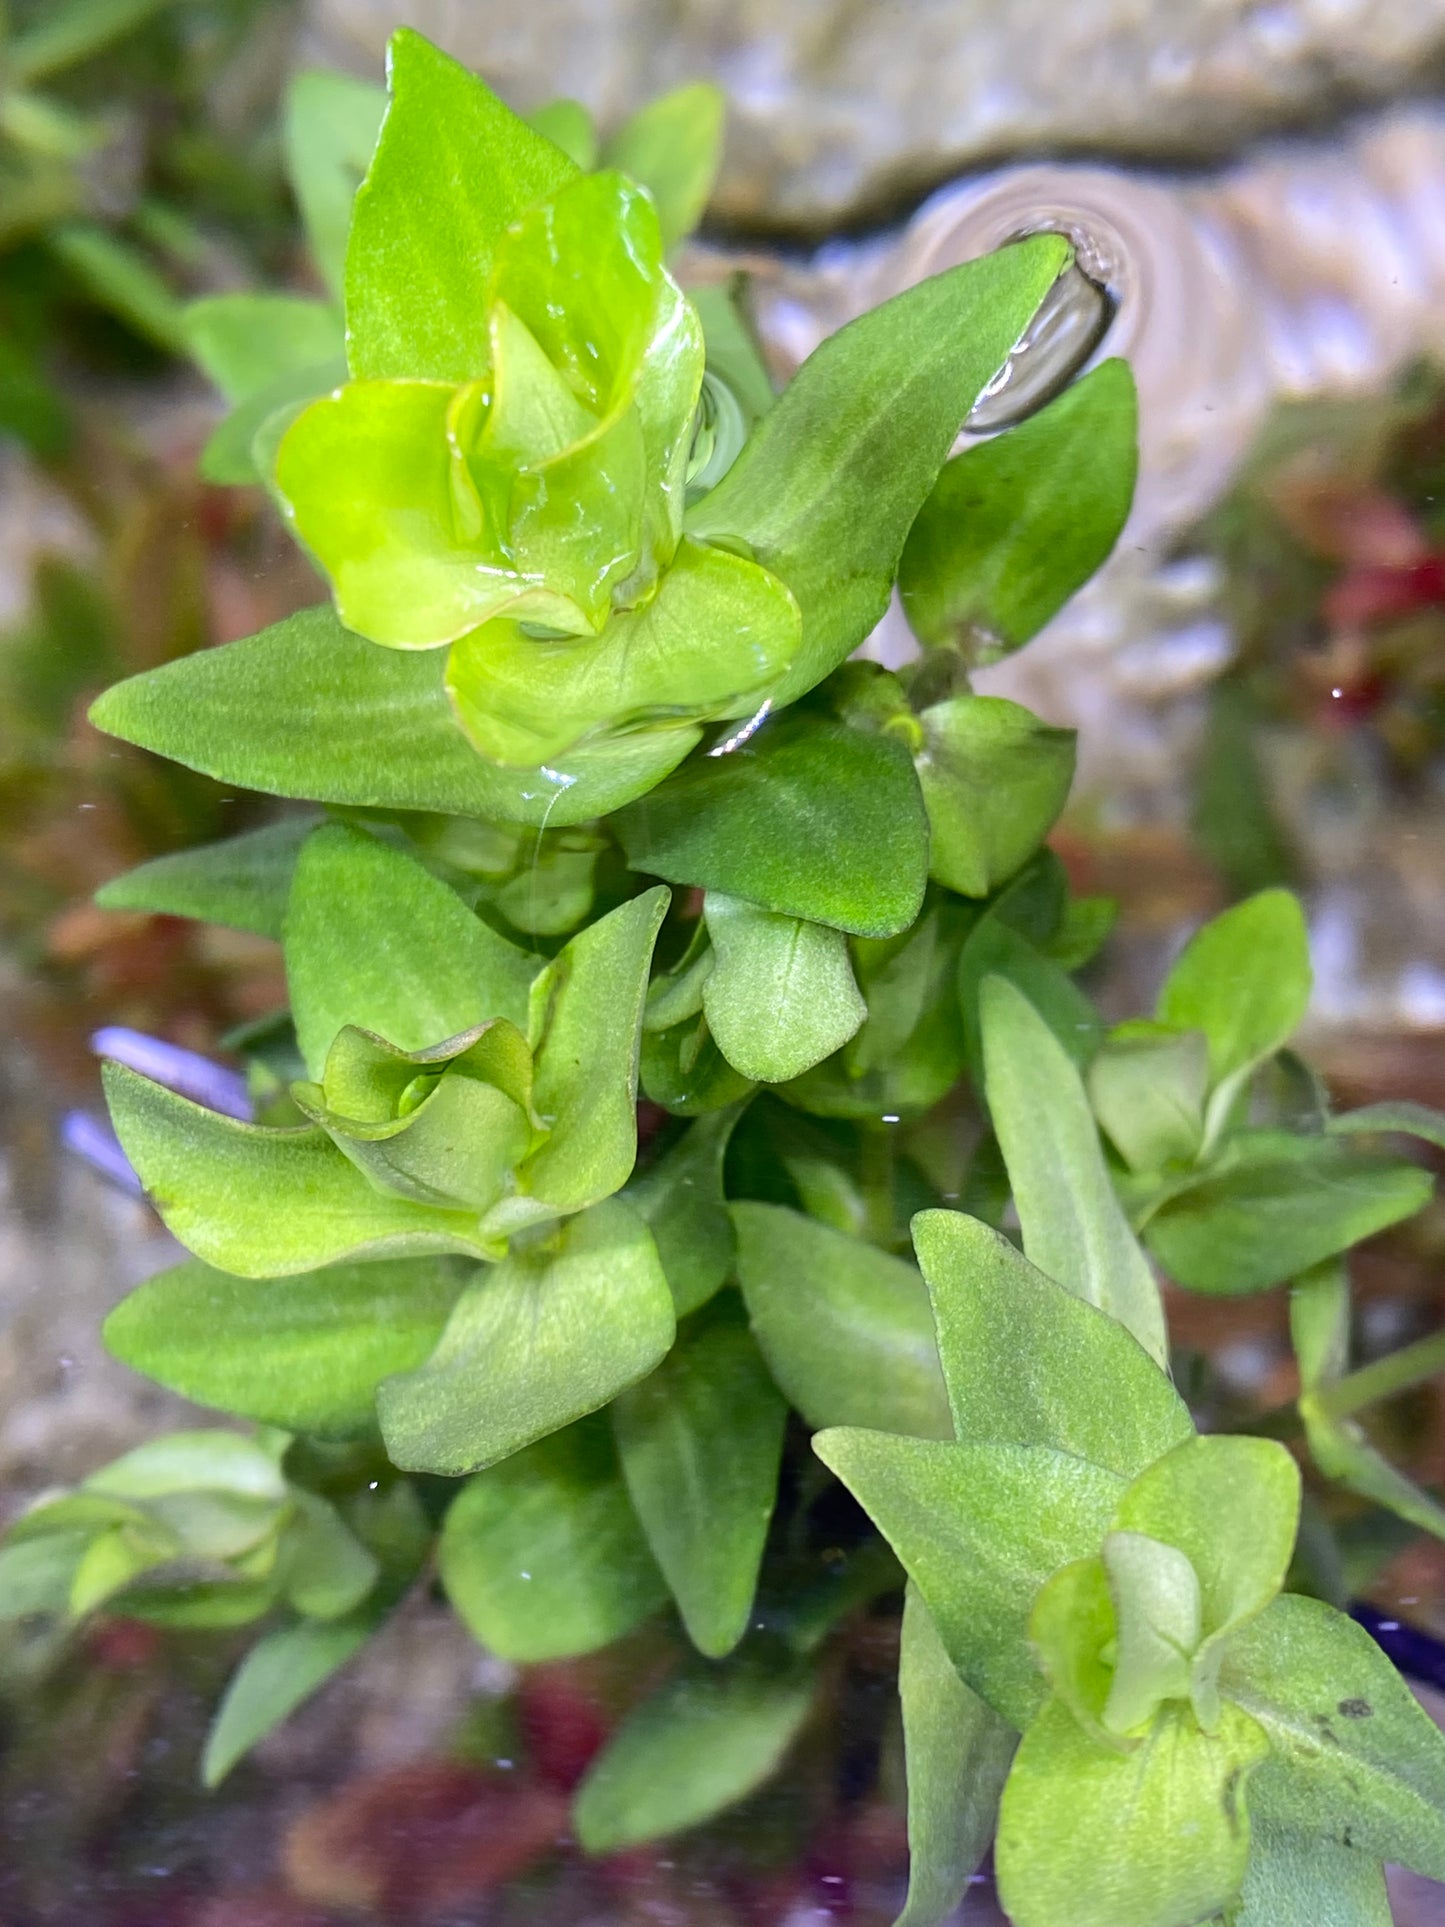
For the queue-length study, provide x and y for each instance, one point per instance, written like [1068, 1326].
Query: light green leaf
[1412, 1120]
[542, 1555]
[553, 1332]
[210, 1461]
[845, 1328]
[717, 631]
[979, 1529]
[1024, 1358]
[700, 1442]
[701, 1743]
[119, 278]
[38, 1575]
[1148, 1085]
[1244, 980]
[683, 1070]
[958, 1753]
[994, 948]
[453, 168]
[1074, 1228]
[832, 478]
[585, 1027]
[116, 1558]
[1354, 1758]
[1319, 1317]
[374, 940]
[242, 445]
[781, 995]
[307, 709]
[568, 125]
[1149, 1838]
[1280, 1206]
[673, 146]
[1158, 1618]
[1016, 524]
[282, 1670]
[325, 1570]
[807, 817]
[305, 1352]
[330, 130]
[245, 342]
[1300, 1880]
[681, 1199]
[994, 779]
[242, 882]
[262, 1203]
[60, 35]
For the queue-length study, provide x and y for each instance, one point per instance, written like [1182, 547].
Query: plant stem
[1384, 1377]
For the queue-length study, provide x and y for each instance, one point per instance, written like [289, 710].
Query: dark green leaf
[1354, 1759]
[994, 779]
[1016, 524]
[1281, 1206]
[550, 1334]
[307, 709]
[1024, 1359]
[681, 1199]
[702, 1742]
[807, 817]
[242, 883]
[958, 1752]
[700, 1442]
[305, 1352]
[683, 1070]
[453, 168]
[830, 482]
[994, 948]
[542, 1555]
[846, 1330]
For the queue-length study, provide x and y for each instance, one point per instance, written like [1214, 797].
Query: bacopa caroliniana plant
[605, 803]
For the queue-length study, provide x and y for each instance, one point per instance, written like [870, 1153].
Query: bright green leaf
[979, 1529]
[242, 882]
[700, 1442]
[846, 1329]
[241, 448]
[673, 146]
[781, 995]
[542, 1555]
[806, 817]
[550, 1334]
[568, 125]
[1024, 1358]
[831, 479]
[994, 779]
[306, 1352]
[958, 1752]
[1074, 1228]
[702, 1742]
[1016, 524]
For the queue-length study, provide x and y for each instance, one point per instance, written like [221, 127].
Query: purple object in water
[183, 1071]
[94, 1141]
[1418, 1654]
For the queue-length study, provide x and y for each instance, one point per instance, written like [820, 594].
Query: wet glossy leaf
[702, 1742]
[994, 779]
[305, 1352]
[979, 1529]
[807, 817]
[1281, 1206]
[681, 1200]
[700, 1442]
[550, 1334]
[846, 1329]
[542, 1555]
[1024, 1358]
[585, 1027]
[673, 146]
[831, 479]
[330, 130]
[717, 631]
[958, 1752]
[242, 882]
[453, 168]
[307, 709]
[263, 1203]
[281, 1671]
[1016, 524]
[374, 940]
[781, 995]
[1354, 1758]
[1074, 1229]
[1150, 1838]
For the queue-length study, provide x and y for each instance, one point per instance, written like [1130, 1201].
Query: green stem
[1411, 1365]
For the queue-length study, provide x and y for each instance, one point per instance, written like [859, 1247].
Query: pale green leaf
[781, 995]
[242, 882]
[282, 1670]
[673, 146]
[330, 129]
[1301, 1880]
[245, 342]
[681, 1199]
[1148, 1085]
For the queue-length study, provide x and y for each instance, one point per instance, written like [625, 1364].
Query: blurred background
[1258, 675]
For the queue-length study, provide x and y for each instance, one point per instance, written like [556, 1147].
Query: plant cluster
[608, 805]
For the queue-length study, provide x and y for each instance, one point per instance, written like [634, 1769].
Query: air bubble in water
[1072, 320]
